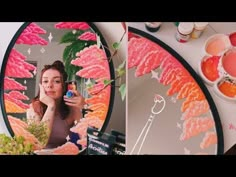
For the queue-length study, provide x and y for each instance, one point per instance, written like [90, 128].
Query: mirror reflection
[55, 76]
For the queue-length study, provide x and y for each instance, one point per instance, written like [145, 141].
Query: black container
[153, 26]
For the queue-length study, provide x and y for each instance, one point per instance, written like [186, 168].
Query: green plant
[14, 145]
[119, 71]
[39, 130]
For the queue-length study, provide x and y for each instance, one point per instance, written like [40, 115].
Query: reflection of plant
[120, 70]
[70, 51]
[39, 130]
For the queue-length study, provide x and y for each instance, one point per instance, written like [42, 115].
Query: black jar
[153, 26]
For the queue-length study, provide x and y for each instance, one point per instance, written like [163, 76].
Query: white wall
[112, 32]
[7, 31]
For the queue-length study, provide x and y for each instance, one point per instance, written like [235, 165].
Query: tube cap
[69, 94]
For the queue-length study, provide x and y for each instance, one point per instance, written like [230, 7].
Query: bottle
[153, 26]
[198, 29]
[176, 23]
[184, 30]
[71, 86]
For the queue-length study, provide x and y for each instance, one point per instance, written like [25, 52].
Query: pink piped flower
[88, 36]
[72, 25]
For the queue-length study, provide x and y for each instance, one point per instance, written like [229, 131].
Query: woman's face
[52, 83]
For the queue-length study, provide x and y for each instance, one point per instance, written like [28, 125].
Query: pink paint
[216, 46]
[229, 62]
[232, 38]
[232, 127]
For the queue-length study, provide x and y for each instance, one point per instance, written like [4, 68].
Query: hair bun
[58, 64]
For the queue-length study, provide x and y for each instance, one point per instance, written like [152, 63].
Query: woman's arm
[31, 115]
[49, 114]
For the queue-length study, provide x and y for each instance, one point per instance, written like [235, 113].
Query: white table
[192, 52]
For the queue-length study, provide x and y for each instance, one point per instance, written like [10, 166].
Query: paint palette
[218, 65]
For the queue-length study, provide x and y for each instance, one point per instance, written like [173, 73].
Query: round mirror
[170, 109]
[82, 53]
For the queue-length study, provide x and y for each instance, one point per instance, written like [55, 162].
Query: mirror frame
[111, 69]
[212, 106]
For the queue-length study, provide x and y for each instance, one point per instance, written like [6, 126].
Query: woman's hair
[40, 107]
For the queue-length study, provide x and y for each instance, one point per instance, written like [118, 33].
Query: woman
[53, 107]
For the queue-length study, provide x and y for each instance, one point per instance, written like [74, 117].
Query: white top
[185, 27]
[153, 24]
[200, 25]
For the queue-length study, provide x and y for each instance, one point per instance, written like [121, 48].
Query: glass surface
[86, 57]
[170, 111]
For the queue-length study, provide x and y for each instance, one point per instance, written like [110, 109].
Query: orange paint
[229, 63]
[228, 88]
[209, 68]
[216, 47]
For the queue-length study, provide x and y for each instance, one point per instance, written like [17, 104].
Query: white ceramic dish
[222, 95]
[221, 52]
[220, 42]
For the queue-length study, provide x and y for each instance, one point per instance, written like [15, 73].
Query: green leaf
[116, 45]
[90, 85]
[71, 50]
[122, 91]
[67, 52]
[120, 72]
[122, 65]
[77, 47]
[71, 70]
[107, 82]
[71, 37]
[121, 69]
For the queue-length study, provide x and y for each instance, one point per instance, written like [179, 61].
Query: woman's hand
[44, 98]
[77, 101]
[76, 104]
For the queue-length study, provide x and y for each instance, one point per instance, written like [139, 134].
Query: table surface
[192, 52]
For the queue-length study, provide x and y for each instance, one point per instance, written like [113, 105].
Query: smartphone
[71, 86]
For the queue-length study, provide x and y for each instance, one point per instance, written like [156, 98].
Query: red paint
[209, 68]
[182, 41]
[232, 38]
[229, 62]
[131, 35]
